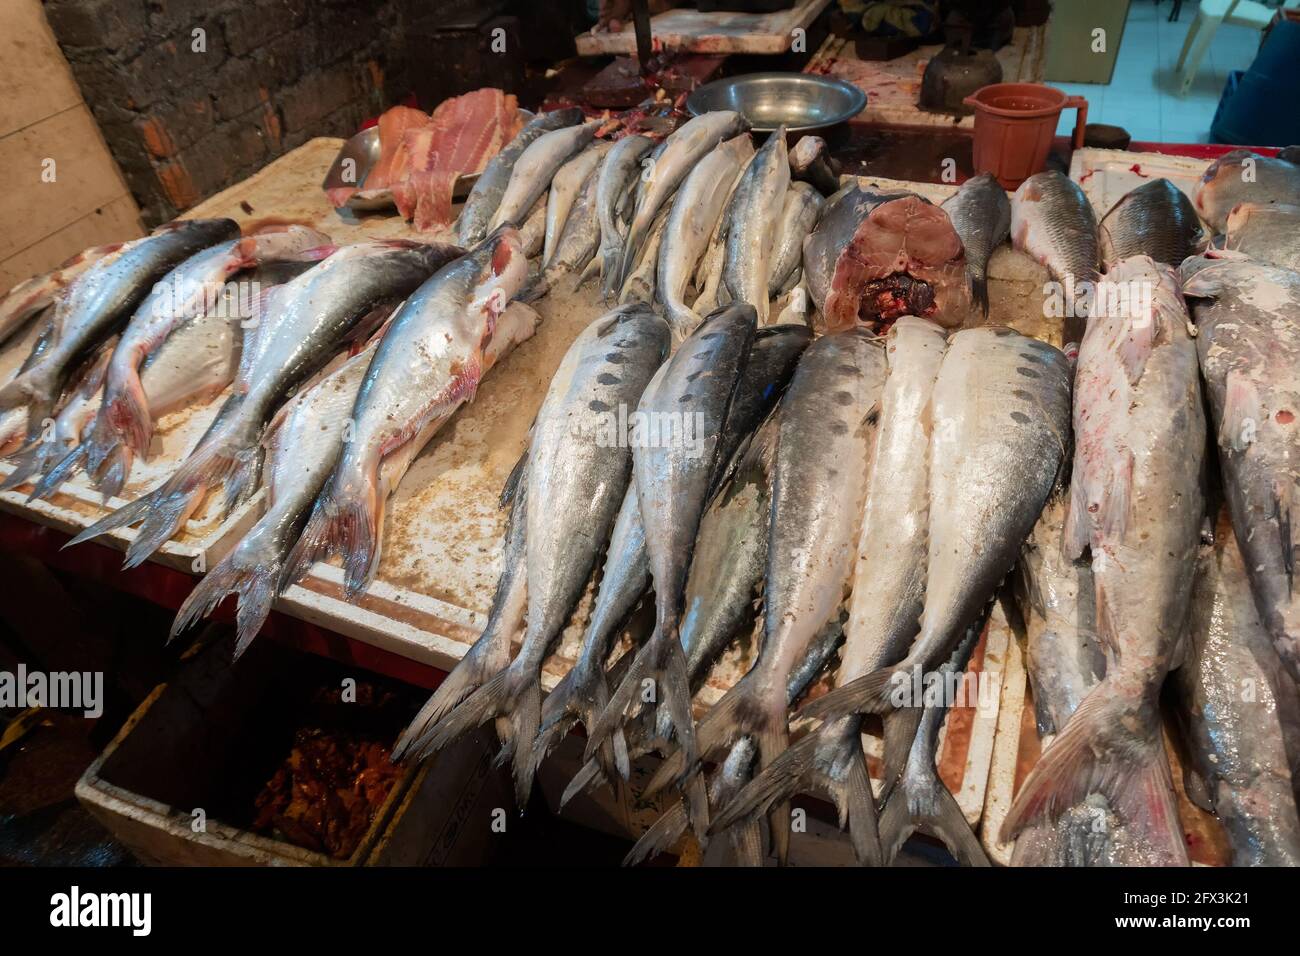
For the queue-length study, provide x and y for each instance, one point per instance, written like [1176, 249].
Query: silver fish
[28, 299]
[1248, 340]
[803, 205]
[566, 186]
[187, 291]
[1053, 222]
[620, 170]
[753, 221]
[680, 152]
[693, 219]
[536, 167]
[304, 442]
[1239, 767]
[811, 162]
[888, 593]
[981, 214]
[1000, 431]
[1136, 504]
[296, 336]
[827, 426]
[581, 477]
[578, 241]
[490, 187]
[1267, 232]
[1155, 219]
[640, 283]
[673, 478]
[1242, 176]
[102, 298]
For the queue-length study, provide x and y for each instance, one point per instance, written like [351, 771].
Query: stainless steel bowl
[799, 101]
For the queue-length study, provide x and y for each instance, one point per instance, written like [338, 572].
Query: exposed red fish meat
[462, 135]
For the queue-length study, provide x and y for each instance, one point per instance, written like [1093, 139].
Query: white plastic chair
[1211, 13]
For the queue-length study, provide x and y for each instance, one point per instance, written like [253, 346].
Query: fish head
[503, 269]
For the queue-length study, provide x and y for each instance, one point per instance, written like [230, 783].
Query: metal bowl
[799, 101]
[363, 151]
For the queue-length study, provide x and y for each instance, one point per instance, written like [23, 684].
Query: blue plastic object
[1258, 106]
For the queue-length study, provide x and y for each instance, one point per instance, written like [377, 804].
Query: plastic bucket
[1015, 124]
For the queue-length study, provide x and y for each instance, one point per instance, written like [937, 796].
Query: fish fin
[682, 321]
[1076, 534]
[243, 477]
[829, 759]
[1135, 345]
[900, 728]
[1111, 745]
[126, 413]
[921, 802]
[23, 388]
[589, 272]
[1242, 411]
[253, 578]
[587, 774]
[661, 837]
[869, 694]
[112, 474]
[339, 524]
[662, 662]
[31, 462]
[513, 698]
[979, 292]
[65, 468]
[124, 516]
[581, 696]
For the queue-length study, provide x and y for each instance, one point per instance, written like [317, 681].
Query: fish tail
[30, 462]
[126, 412]
[682, 321]
[111, 476]
[21, 389]
[609, 266]
[588, 774]
[830, 760]
[250, 574]
[582, 696]
[660, 668]
[900, 728]
[661, 837]
[870, 694]
[589, 271]
[343, 522]
[921, 802]
[514, 694]
[1110, 746]
[123, 517]
[65, 468]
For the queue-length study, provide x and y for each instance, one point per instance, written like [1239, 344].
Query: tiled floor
[1142, 97]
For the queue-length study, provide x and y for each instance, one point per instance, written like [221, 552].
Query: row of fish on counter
[387, 339]
[877, 492]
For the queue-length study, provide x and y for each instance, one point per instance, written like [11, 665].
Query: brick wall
[184, 123]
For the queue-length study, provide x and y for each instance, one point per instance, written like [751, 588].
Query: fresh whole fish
[753, 221]
[920, 801]
[1248, 337]
[581, 235]
[693, 218]
[483, 200]
[296, 334]
[581, 477]
[1065, 660]
[304, 443]
[618, 173]
[1000, 431]
[1155, 219]
[1228, 689]
[673, 478]
[888, 592]
[1242, 176]
[679, 154]
[981, 214]
[827, 427]
[1269, 233]
[772, 361]
[189, 290]
[429, 363]
[566, 186]
[1137, 505]
[1053, 222]
[102, 298]
[803, 205]
[196, 361]
[28, 299]
[536, 167]
[877, 256]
